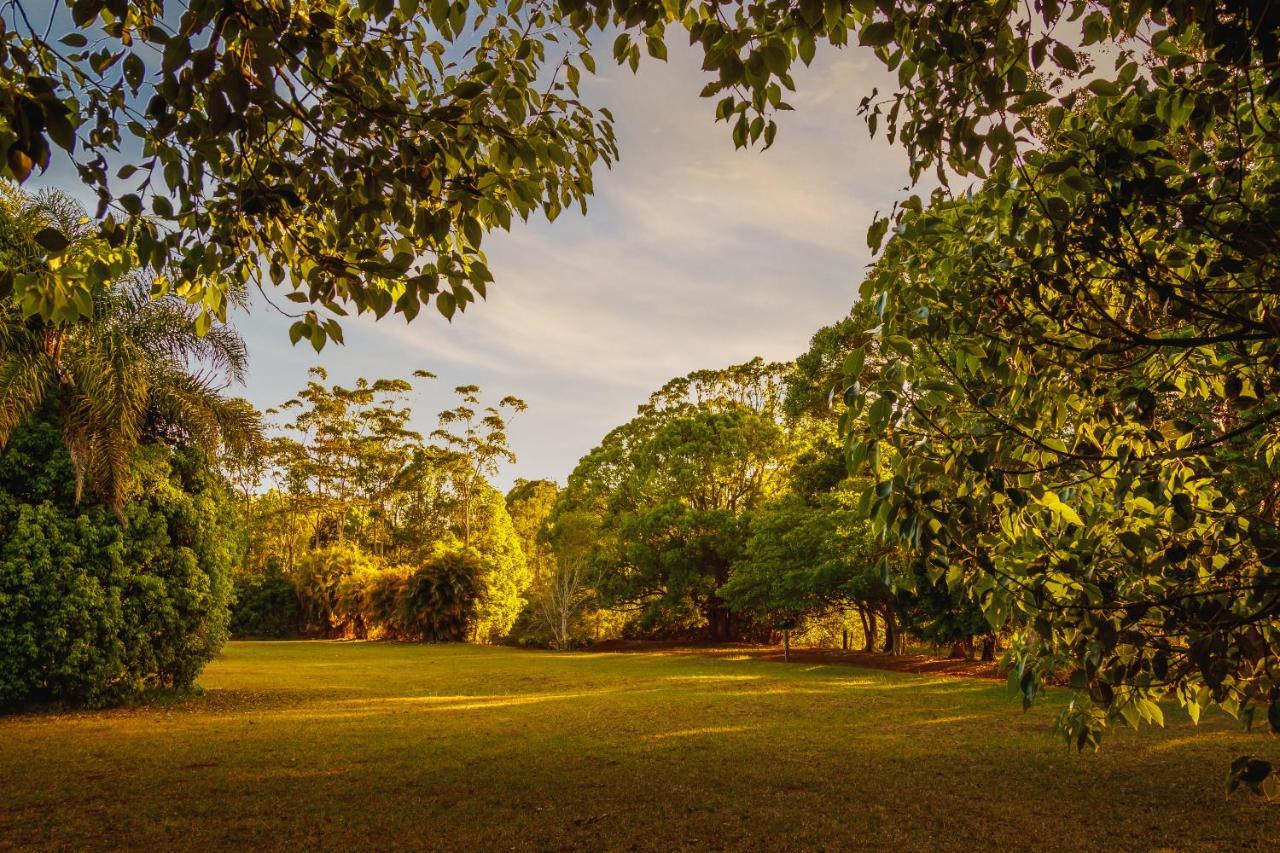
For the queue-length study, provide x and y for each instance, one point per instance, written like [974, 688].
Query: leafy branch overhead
[352, 153]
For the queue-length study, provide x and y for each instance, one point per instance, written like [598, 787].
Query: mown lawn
[380, 746]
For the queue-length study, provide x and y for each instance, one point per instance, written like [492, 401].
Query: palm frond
[25, 379]
[104, 412]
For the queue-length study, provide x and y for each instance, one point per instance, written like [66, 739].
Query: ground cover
[377, 745]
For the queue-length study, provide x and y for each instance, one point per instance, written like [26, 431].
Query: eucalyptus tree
[344, 450]
[475, 444]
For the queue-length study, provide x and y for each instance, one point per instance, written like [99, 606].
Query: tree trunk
[786, 645]
[957, 650]
[844, 639]
[890, 631]
[989, 647]
[720, 621]
[869, 645]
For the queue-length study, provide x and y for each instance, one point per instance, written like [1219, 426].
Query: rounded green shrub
[95, 607]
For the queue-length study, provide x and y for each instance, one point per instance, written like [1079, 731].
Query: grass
[366, 745]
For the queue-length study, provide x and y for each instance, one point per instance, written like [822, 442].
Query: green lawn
[367, 745]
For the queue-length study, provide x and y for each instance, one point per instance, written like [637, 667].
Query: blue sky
[692, 255]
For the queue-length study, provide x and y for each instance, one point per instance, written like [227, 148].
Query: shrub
[440, 601]
[266, 605]
[331, 602]
[384, 603]
[93, 610]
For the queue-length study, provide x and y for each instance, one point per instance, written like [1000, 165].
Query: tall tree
[674, 487]
[477, 442]
[1078, 436]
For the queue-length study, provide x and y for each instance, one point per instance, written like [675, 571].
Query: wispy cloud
[692, 255]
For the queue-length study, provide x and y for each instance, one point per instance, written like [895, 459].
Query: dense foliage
[95, 608]
[125, 588]
[674, 487]
[1077, 435]
[366, 522]
[358, 151]
[1056, 400]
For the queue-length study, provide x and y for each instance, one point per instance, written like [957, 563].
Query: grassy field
[365, 745]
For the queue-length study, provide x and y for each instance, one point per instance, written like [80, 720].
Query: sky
[692, 255]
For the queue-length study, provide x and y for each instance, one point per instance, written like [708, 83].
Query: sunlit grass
[366, 745]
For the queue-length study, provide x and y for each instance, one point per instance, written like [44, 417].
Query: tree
[346, 453]
[1118, 255]
[132, 370]
[569, 587]
[477, 448]
[674, 487]
[530, 504]
[356, 151]
[1078, 437]
[804, 559]
[504, 574]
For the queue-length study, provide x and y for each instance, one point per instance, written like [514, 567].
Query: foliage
[439, 601]
[356, 151]
[473, 453]
[94, 609]
[1077, 437]
[504, 575]
[265, 605]
[1099, 451]
[568, 586]
[133, 369]
[673, 488]
[530, 504]
[930, 610]
[359, 501]
[802, 559]
[329, 583]
[343, 459]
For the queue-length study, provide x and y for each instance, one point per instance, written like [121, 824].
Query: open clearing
[368, 745]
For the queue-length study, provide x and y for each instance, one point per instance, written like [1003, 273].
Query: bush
[330, 583]
[347, 593]
[384, 603]
[440, 601]
[266, 605]
[93, 610]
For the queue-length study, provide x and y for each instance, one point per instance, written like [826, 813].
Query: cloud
[692, 255]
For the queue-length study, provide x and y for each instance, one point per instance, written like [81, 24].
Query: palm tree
[134, 371]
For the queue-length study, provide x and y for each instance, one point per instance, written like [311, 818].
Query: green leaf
[853, 363]
[1104, 88]
[467, 89]
[52, 240]
[877, 34]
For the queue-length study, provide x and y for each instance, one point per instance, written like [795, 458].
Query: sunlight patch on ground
[704, 730]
